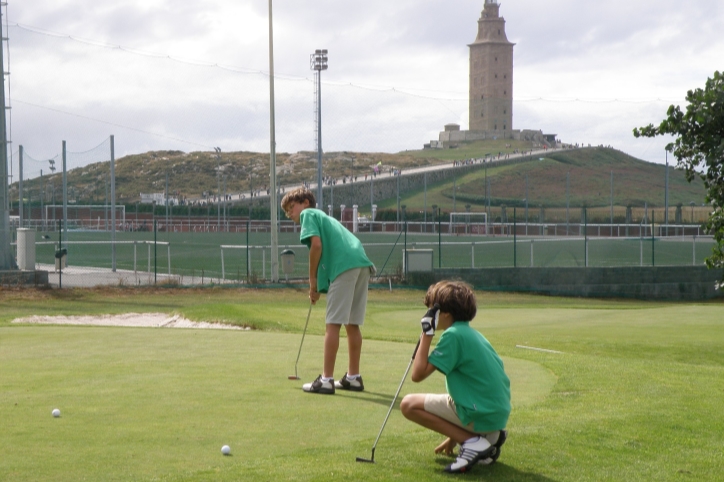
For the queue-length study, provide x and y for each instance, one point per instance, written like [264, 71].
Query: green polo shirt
[341, 250]
[474, 376]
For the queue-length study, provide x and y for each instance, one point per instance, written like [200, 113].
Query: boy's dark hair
[454, 297]
[298, 195]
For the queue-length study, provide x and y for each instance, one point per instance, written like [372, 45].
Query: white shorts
[443, 406]
[347, 297]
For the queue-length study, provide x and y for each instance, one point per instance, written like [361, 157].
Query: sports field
[635, 395]
[194, 254]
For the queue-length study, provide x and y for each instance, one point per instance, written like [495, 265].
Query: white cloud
[588, 71]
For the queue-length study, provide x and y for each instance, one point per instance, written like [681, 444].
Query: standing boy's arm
[421, 367]
[315, 254]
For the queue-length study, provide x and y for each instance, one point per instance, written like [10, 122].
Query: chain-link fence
[241, 253]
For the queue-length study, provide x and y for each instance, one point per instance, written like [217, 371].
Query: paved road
[262, 195]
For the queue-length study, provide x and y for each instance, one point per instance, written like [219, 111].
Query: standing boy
[339, 267]
[474, 412]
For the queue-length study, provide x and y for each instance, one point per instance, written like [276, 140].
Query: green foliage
[699, 149]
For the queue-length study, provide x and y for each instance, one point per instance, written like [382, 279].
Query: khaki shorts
[347, 297]
[443, 406]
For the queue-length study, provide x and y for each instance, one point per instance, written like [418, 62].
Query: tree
[699, 150]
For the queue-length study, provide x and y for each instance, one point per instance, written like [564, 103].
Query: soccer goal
[468, 223]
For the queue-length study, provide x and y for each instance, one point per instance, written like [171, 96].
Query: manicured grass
[635, 395]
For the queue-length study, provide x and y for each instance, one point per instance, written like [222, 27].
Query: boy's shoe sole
[345, 384]
[318, 386]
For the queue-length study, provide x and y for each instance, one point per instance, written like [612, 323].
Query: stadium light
[7, 260]
[273, 201]
[318, 61]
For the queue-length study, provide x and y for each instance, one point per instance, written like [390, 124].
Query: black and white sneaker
[497, 445]
[344, 383]
[318, 386]
[470, 453]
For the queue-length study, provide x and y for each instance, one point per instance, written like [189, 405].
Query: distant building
[491, 88]
[491, 74]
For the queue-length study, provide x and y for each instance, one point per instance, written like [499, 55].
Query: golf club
[372, 459]
[295, 376]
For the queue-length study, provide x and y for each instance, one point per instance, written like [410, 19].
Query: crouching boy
[474, 412]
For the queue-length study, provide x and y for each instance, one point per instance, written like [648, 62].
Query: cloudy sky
[162, 74]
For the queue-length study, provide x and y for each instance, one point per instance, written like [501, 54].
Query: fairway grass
[636, 393]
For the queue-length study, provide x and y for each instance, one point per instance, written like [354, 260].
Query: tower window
[482, 114]
[505, 76]
[482, 96]
[496, 127]
[498, 31]
[505, 92]
[496, 76]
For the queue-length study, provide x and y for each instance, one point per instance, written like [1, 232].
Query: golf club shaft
[395, 398]
[302, 342]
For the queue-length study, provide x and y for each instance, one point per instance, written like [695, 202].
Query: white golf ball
[226, 450]
[56, 413]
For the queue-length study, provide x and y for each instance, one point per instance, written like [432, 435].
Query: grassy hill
[635, 182]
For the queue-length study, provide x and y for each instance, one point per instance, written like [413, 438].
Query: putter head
[293, 377]
[370, 460]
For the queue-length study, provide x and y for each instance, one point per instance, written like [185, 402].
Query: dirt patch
[147, 320]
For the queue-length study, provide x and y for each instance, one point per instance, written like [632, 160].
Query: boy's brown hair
[298, 195]
[454, 297]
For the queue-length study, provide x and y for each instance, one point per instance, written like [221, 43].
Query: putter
[372, 459]
[295, 376]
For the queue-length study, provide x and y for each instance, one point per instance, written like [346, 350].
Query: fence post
[531, 253]
[515, 240]
[585, 236]
[248, 258]
[693, 256]
[223, 272]
[155, 254]
[653, 258]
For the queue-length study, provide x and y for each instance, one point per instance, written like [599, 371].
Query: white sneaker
[319, 386]
[470, 453]
[345, 383]
[502, 436]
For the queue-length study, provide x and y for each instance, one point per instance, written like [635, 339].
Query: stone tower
[491, 74]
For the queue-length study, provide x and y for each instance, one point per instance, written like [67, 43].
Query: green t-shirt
[341, 250]
[474, 377]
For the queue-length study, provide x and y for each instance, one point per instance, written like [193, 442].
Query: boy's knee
[407, 405]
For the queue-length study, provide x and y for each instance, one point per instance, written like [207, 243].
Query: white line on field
[538, 349]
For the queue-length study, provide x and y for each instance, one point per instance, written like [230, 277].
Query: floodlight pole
[7, 261]
[318, 63]
[273, 164]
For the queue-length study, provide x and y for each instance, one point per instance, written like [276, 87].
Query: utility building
[491, 74]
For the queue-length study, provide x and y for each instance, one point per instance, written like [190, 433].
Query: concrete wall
[675, 283]
[23, 278]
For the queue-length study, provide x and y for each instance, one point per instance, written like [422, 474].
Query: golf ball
[226, 450]
[56, 413]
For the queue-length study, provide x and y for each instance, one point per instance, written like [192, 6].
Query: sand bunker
[149, 320]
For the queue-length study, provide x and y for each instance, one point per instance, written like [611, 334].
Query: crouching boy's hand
[446, 448]
[429, 321]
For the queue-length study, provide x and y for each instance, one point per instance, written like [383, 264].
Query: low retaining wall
[23, 278]
[675, 283]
